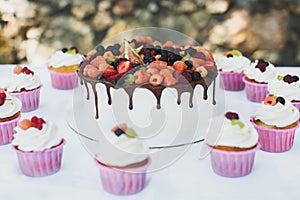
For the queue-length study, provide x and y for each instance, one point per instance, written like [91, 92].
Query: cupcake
[10, 112]
[231, 70]
[39, 147]
[122, 161]
[276, 121]
[287, 86]
[232, 150]
[25, 85]
[63, 66]
[258, 75]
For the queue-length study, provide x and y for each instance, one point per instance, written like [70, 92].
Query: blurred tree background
[31, 30]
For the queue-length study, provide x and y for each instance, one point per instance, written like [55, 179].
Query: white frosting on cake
[11, 106]
[122, 150]
[60, 59]
[232, 64]
[23, 81]
[233, 136]
[34, 139]
[278, 115]
[290, 91]
[256, 74]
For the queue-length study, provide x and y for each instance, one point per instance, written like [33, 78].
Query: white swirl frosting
[233, 136]
[290, 91]
[60, 59]
[23, 81]
[262, 77]
[121, 151]
[33, 139]
[11, 106]
[278, 115]
[232, 64]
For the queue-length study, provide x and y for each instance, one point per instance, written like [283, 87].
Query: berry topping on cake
[262, 65]
[2, 97]
[123, 129]
[273, 100]
[270, 100]
[25, 70]
[232, 115]
[290, 79]
[280, 100]
[34, 122]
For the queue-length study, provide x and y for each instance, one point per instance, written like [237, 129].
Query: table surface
[275, 176]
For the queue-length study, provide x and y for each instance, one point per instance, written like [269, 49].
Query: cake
[232, 149]
[10, 113]
[25, 85]
[276, 121]
[155, 87]
[231, 70]
[122, 160]
[287, 86]
[39, 147]
[256, 79]
[62, 66]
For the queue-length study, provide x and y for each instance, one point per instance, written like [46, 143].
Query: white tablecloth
[274, 176]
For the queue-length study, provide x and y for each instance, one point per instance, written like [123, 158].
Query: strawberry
[158, 64]
[124, 66]
[109, 71]
[180, 66]
[113, 77]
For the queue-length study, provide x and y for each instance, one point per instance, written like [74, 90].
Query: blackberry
[232, 115]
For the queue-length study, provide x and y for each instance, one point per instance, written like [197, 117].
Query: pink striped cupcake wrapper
[64, 81]
[296, 104]
[232, 163]
[255, 92]
[123, 181]
[7, 131]
[41, 163]
[30, 99]
[232, 81]
[275, 140]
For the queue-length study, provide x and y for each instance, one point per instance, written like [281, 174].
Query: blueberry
[117, 46]
[100, 48]
[64, 50]
[119, 132]
[296, 78]
[151, 59]
[281, 100]
[99, 77]
[147, 56]
[164, 58]
[191, 51]
[116, 52]
[110, 48]
[189, 64]
[196, 76]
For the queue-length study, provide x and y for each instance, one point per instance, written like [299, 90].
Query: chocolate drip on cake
[155, 90]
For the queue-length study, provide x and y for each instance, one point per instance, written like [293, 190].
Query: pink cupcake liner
[232, 163]
[275, 140]
[232, 81]
[7, 131]
[41, 163]
[64, 81]
[296, 104]
[123, 181]
[255, 92]
[30, 99]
